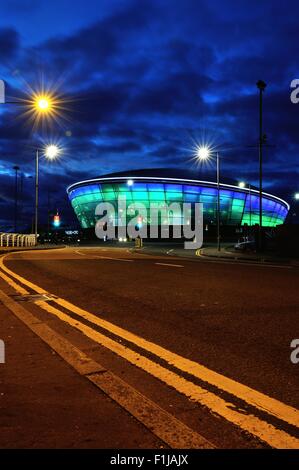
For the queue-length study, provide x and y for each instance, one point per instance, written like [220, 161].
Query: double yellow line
[244, 418]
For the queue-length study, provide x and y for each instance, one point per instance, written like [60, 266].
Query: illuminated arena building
[238, 206]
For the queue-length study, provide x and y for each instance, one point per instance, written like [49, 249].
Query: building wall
[237, 206]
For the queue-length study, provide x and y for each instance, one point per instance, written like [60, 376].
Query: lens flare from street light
[203, 153]
[203, 148]
[297, 196]
[43, 107]
[242, 185]
[51, 152]
[43, 104]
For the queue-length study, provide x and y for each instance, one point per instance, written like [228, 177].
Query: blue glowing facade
[238, 206]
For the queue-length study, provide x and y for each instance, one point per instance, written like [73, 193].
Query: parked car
[245, 244]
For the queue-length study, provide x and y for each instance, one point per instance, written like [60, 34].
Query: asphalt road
[237, 320]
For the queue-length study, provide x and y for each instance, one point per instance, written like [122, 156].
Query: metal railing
[16, 239]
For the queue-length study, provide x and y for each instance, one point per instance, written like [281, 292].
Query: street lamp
[43, 103]
[296, 196]
[204, 153]
[50, 152]
[40, 105]
[16, 168]
[261, 87]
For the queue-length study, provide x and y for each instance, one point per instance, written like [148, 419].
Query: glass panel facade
[237, 207]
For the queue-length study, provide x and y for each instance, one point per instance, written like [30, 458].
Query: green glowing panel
[124, 194]
[140, 196]
[235, 207]
[108, 196]
[174, 196]
[157, 196]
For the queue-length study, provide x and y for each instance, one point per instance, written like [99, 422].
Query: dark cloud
[9, 44]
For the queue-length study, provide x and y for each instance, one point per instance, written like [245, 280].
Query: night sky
[142, 83]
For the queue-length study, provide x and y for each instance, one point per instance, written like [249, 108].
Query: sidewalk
[227, 252]
[230, 253]
[44, 403]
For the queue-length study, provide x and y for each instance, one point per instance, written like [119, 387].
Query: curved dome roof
[179, 173]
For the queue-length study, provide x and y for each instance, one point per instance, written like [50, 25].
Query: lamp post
[41, 105]
[16, 168]
[261, 87]
[36, 195]
[204, 153]
[218, 201]
[51, 152]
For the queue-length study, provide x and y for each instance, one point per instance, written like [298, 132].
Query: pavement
[204, 344]
[45, 403]
[227, 252]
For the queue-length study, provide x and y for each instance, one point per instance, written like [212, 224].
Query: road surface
[208, 342]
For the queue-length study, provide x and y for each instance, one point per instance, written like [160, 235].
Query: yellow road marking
[250, 423]
[14, 285]
[253, 397]
[165, 426]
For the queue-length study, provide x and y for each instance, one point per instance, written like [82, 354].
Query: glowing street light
[242, 185]
[40, 105]
[296, 196]
[203, 153]
[51, 152]
[43, 104]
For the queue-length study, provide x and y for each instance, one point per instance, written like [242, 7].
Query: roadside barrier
[16, 239]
